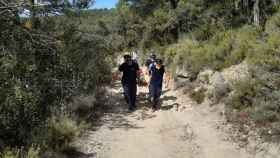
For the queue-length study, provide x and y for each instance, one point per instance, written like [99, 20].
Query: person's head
[159, 63]
[153, 56]
[127, 59]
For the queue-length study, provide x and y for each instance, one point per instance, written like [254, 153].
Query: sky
[105, 3]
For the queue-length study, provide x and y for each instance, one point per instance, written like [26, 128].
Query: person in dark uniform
[130, 71]
[157, 71]
[150, 60]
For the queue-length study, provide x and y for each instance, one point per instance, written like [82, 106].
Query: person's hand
[166, 86]
[115, 76]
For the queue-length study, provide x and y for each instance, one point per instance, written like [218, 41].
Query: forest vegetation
[64, 50]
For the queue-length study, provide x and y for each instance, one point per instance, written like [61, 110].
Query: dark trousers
[130, 94]
[150, 91]
[155, 92]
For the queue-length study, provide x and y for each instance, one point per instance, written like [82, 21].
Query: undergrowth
[257, 98]
[198, 95]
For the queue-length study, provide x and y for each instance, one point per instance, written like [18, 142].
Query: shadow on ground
[165, 91]
[169, 107]
[169, 98]
[145, 105]
[111, 113]
[112, 109]
[73, 153]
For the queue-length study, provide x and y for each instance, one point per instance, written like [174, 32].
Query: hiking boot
[131, 109]
[149, 99]
[154, 109]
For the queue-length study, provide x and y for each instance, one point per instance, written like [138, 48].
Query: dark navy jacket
[156, 75]
[129, 73]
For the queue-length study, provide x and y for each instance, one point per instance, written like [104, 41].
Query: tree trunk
[32, 8]
[175, 31]
[247, 9]
[275, 2]
[174, 3]
[256, 12]
[35, 22]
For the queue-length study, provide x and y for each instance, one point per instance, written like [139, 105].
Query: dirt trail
[180, 129]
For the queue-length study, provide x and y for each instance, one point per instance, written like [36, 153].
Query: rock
[252, 143]
[219, 84]
[181, 71]
[200, 88]
[204, 76]
[217, 79]
[236, 73]
[181, 82]
[217, 88]
[244, 137]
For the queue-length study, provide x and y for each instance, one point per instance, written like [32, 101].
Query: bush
[260, 98]
[19, 114]
[243, 94]
[272, 25]
[42, 66]
[32, 152]
[221, 51]
[198, 95]
[10, 154]
[60, 132]
[266, 54]
[184, 54]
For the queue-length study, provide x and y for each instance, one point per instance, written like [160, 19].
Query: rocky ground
[180, 129]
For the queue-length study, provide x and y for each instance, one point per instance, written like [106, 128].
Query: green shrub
[198, 95]
[243, 94]
[19, 114]
[9, 154]
[184, 54]
[260, 94]
[61, 131]
[58, 133]
[42, 67]
[259, 97]
[221, 51]
[273, 24]
[32, 152]
[267, 53]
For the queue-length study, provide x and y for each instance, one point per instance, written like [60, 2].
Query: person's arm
[147, 63]
[121, 67]
[163, 70]
[166, 77]
[138, 72]
[150, 72]
[150, 69]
